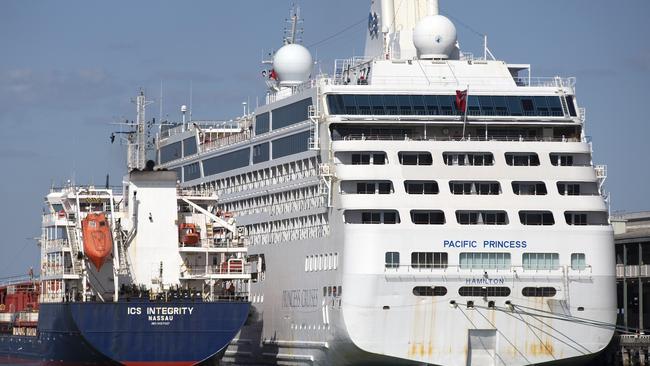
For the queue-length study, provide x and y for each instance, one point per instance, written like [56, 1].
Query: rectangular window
[361, 159]
[522, 159]
[485, 261]
[471, 159]
[392, 259]
[587, 218]
[365, 188]
[291, 114]
[289, 145]
[191, 171]
[415, 158]
[478, 188]
[578, 188]
[223, 163]
[170, 152]
[189, 146]
[260, 153]
[578, 261]
[428, 217]
[371, 217]
[536, 218]
[429, 260]
[529, 188]
[262, 123]
[421, 187]
[541, 261]
[365, 158]
[482, 217]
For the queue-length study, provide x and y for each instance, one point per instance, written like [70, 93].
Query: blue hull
[129, 333]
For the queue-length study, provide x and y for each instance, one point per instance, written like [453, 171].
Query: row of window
[467, 158]
[465, 217]
[321, 262]
[472, 188]
[486, 260]
[476, 291]
[422, 105]
[282, 117]
[280, 147]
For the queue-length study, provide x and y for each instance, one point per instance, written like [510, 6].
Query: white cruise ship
[419, 205]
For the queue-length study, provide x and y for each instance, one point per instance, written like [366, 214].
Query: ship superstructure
[417, 206]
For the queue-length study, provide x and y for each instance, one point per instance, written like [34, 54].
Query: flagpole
[465, 112]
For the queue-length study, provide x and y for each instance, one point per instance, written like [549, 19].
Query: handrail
[446, 268]
[407, 137]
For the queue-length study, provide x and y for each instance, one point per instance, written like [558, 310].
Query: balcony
[623, 271]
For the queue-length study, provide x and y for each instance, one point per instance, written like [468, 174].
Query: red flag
[273, 75]
[461, 100]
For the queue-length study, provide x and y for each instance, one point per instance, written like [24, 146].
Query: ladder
[73, 239]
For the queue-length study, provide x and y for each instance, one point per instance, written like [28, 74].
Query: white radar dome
[434, 37]
[293, 64]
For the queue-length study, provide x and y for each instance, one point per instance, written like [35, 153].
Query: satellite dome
[434, 37]
[292, 64]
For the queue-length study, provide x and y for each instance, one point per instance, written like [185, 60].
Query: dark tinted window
[477, 291]
[189, 146]
[262, 123]
[481, 105]
[191, 172]
[292, 144]
[260, 153]
[170, 152]
[538, 291]
[291, 114]
[223, 163]
[429, 291]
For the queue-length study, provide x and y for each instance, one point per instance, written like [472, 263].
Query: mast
[137, 148]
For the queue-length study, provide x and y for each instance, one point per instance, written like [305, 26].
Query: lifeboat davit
[187, 234]
[98, 241]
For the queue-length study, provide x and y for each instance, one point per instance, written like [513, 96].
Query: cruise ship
[418, 205]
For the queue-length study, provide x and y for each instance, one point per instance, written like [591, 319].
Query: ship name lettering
[485, 281]
[165, 310]
[305, 298]
[487, 244]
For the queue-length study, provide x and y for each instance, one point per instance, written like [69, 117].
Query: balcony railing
[623, 271]
[417, 137]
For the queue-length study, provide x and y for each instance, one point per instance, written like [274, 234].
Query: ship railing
[411, 137]
[228, 268]
[429, 80]
[225, 141]
[298, 204]
[16, 280]
[218, 242]
[632, 271]
[305, 172]
[285, 92]
[172, 131]
[447, 268]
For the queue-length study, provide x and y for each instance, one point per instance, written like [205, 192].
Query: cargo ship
[142, 274]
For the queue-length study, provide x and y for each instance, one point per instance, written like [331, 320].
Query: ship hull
[127, 333]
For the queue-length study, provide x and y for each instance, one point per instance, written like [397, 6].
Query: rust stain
[540, 348]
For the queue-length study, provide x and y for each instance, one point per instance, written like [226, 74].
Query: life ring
[2, 307]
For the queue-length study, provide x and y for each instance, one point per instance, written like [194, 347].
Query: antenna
[160, 115]
[137, 148]
[291, 34]
[191, 92]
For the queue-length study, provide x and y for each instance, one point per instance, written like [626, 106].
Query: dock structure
[632, 238]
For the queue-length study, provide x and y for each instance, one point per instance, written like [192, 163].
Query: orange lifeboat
[187, 234]
[98, 241]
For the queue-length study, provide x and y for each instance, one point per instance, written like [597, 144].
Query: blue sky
[68, 69]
